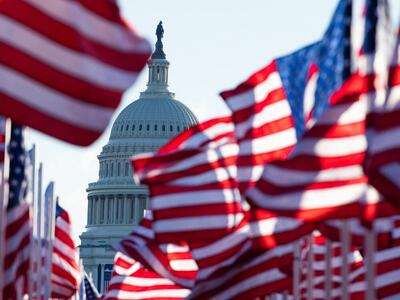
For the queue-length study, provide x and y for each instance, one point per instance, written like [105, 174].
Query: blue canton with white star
[331, 55]
[18, 186]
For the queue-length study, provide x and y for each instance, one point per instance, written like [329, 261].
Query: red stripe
[270, 189]
[323, 213]
[198, 129]
[23, 114]
[81, 90]
[313, 163]
[257, 107]
[269, 128]
[208, 209]
[107, 9]
[67, 36]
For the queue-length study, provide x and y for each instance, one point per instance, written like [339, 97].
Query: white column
[98, 206]
[126, 210]
[115, 209]
[111, 209]
[120, 210]
[106, 212]
[137, 208]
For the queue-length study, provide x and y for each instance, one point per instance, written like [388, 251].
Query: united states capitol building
[115, 202]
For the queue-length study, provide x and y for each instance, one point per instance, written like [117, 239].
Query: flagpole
[370, 246]
[310, 271]
[39, 245]
[328, 267]
[3, 202]
[345, 241]
[296, 270]
[33, 246]
[49, 206]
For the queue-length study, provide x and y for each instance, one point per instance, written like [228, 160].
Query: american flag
[66, 64]
[171, 261]
[131, 280]
[383, 165]
[272, 108]
[192, 184]
[252, 275]
[325, 266]
[17, 237]
[87, 289]
[65, 270]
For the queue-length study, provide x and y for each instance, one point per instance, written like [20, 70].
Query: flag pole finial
[159, 52]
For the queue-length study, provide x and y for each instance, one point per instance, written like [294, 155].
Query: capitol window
[148, 127]
[163, 128]
[171, 128]
[112, 169]
[133, 127]
[119, 169]
[140, 127]
[155, 127]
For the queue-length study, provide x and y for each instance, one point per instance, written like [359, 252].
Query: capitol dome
[159, 117]
[115, 202]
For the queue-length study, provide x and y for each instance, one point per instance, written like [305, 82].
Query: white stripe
[205, 272]
[270, 113]
[393, 99]
[310, 199]
[346, 113]
[258, 94]
[207, 135]
[288, 177]
[229, 241]
[212, 176]
[195, 198]
[385, 140]
[253, 282]
[53, 103]
[269, 143]
[197, 223]
[183, 265]
[63, 59]
[178, 293]
[160, 269]
[274, 226]
[93, 26]
[331, 147]
[205, 157]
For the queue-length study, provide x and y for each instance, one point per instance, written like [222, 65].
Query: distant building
[115, 203]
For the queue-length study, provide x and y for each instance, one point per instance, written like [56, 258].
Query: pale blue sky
[212, 45]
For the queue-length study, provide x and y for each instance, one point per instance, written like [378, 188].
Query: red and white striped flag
[65, 270]
[324, 267]
[256, 274]
[171, 261]
[383, 165]
[193, 188]
[323, 177]
[16, 258]
[131, 280]
[65, 64]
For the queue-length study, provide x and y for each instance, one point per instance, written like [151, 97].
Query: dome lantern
[158, 69]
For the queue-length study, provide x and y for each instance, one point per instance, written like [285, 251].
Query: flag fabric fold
[66, 65]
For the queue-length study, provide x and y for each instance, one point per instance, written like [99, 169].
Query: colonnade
[116, 209]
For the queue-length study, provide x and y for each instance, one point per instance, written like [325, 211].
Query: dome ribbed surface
[159, 117]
